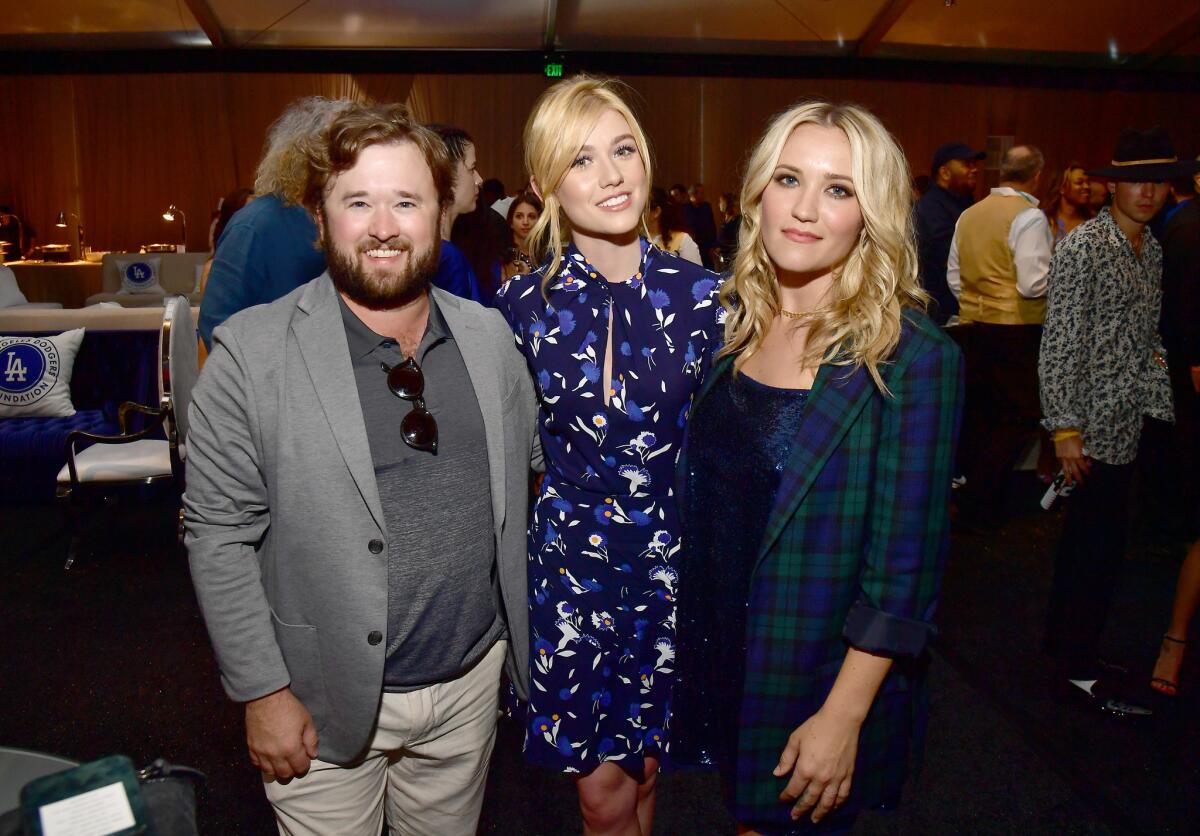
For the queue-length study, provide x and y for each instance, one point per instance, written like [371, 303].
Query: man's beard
[380, 290]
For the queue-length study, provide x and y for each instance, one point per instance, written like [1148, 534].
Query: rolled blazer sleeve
[226, 515]
[908, 529]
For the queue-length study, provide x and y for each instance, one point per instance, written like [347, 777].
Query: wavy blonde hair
[557, 128]
[860, 325]
[292, 140]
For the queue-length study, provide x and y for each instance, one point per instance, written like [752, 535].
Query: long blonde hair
[557, 128]
[860, 325]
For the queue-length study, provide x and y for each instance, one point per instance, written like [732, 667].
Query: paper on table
[94, 813]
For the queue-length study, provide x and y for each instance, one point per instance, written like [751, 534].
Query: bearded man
[358, 472]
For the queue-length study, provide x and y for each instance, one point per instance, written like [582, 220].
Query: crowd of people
[733, 553]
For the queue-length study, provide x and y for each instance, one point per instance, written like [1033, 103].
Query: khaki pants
[428, 763]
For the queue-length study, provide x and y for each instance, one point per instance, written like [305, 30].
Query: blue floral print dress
[604, 537]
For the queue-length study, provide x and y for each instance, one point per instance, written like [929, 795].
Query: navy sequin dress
[738, 442]
[604, 537]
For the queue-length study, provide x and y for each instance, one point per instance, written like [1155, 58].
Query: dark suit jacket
[1180, 323]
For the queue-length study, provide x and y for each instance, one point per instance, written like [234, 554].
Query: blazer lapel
[837, 397]
[321, 336]
[480, 357]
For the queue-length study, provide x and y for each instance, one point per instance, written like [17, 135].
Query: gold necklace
[798, 314]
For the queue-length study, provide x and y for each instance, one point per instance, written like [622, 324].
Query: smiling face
[524, 216]
[1139, 202]
[379, 226]
[810, 214]
[604, 191]
[1076, 188]
[466, 182]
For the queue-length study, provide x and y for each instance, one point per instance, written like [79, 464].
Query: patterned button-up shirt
[1102, 362]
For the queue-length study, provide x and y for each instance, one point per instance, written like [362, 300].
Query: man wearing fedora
[1102, 369]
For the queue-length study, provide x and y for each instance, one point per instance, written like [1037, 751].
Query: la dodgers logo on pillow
[139, 274]
[35, 374]
[28, 370]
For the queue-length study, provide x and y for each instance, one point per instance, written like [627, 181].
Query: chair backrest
[10, 291]
[177, 271]
[178, 360]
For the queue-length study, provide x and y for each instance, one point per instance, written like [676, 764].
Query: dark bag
[161, 796]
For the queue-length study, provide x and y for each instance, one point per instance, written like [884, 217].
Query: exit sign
[554, 70]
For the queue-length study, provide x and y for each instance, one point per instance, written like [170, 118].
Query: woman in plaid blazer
[815, 483]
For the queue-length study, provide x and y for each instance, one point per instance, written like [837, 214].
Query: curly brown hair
[362, 126]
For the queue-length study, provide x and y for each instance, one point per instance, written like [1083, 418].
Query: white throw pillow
[139, 274]
[10, 291]
[35, 375]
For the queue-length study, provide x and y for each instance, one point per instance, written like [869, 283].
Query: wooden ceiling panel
[687, 26]
[394, 24]
[53, 24]
[1116, 29]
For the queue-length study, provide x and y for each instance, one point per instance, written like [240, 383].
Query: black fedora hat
[1145, 156]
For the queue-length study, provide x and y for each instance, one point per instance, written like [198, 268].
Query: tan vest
[986, 268]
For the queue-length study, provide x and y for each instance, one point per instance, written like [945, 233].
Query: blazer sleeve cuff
[884, 634]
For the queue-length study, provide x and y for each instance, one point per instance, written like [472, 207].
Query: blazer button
[376, 546]
[374, 637]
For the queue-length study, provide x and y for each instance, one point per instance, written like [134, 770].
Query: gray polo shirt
[443, 593]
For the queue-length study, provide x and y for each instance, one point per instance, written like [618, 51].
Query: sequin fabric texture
[604, 536]
[739, 442]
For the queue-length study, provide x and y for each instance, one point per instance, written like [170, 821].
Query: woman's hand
[820, 755]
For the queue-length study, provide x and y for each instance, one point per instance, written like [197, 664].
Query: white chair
[11, 295]
[134, 459]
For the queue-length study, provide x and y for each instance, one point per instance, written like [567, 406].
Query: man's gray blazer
[286, 537]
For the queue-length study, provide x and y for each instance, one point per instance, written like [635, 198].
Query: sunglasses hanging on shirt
[407, 382]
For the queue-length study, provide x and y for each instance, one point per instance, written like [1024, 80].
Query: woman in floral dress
[618, 335]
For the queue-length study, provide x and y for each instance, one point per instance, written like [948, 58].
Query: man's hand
[280, 735]
[1075, 464]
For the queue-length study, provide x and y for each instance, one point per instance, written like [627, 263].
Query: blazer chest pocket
[302, 654]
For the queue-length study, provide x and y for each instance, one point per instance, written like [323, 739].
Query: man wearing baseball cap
[955, 171]
[1102, 369]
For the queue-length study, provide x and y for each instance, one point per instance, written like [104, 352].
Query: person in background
[618, 335]
[727, 237]
[816, 479]
[1102, 371]
[1068, 203]
[698, 214]
[227, 208]
[454, 273]
[920, 185]
[955, 172]
[523, 214]
[14, 231]
[997, 269]
[1181, 335]
[484, 238]
[678, 194]
[270, 249]
[664, 223]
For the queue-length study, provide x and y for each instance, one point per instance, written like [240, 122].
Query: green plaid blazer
[853, 555]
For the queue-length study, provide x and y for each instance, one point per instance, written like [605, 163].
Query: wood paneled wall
[117, 149]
